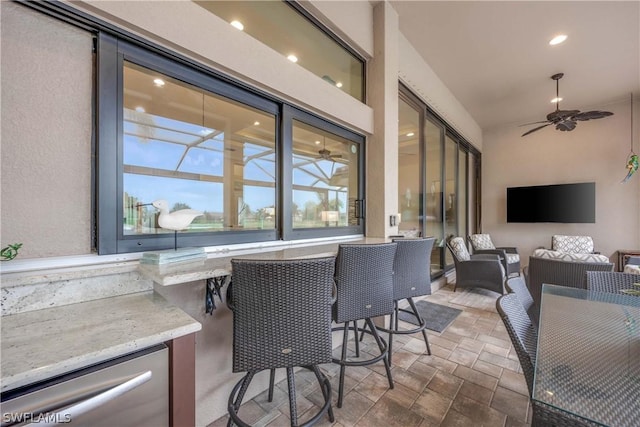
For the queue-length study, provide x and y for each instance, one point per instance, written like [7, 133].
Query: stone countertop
[40, 344]
[173, 274]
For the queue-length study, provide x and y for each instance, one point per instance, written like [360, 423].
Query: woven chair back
[518, 286]
[522, 333]
[364, 281]
[412, 268]
[281, 312]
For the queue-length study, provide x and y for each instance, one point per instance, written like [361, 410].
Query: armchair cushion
[512, 258]
[572, 244]
[459, 249]
[564, 256]
[481, 241]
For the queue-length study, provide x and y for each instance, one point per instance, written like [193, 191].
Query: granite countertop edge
[42, 344]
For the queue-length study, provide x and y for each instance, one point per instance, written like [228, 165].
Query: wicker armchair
[482, 244]
[281, 319]
[562, 273]
[524, 338]
[364, 282]
[478, 270]
[612, 282]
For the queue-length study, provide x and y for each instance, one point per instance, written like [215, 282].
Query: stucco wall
[596, 151]
[46, 84]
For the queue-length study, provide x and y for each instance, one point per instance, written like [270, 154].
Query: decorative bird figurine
[632, 165]
[178, 220]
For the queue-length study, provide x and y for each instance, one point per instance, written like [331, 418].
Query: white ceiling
[495, 58]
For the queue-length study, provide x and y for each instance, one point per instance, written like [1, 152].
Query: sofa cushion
[572, 244]
[564, 256]
[631, 268]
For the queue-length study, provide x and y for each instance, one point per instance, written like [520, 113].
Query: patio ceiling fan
[565, 120]
[325, 154]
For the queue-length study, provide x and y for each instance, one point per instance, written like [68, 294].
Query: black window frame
[111, 54]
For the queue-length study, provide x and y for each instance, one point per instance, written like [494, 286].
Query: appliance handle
[72, 412]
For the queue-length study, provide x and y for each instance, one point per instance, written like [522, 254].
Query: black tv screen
[569, 203]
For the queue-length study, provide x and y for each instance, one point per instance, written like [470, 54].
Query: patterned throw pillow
[564, 256]
[572, 244]
[481, 241]
[459, 249]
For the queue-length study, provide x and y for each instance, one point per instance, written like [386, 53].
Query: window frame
[111, 54]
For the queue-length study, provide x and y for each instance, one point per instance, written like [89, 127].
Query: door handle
[69, 414]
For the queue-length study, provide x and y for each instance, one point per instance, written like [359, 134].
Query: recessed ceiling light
[292, 58]
[158, 82]
[339, 84]
[317, 142]
[410, 134]
[558, 39]
[237, 24]
[140, 109]
[256, 123]
[555, 100]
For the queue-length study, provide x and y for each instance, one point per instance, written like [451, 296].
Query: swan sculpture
[178, 220]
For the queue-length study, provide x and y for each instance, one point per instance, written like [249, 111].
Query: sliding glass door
[438, 173]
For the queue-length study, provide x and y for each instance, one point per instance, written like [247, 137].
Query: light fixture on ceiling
[632, 161]
[158, 82]
[339, 84]
[256, 123]
[292, 58]
[558, 39]
[317, 142]
[140, 109]
[410, 134]
[237, 24]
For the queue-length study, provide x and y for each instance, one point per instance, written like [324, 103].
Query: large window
[197, 151]
[437, 173]
[288, 29]
[257, 169]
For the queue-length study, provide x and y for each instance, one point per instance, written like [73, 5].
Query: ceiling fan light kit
[565, 120]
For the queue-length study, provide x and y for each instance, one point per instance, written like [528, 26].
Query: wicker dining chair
[281, 319]
[364, 283]
[518, 286]
[411, 278]
[612, 282]
[524, 338]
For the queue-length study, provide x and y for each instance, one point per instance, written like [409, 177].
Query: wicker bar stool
[281, 319]
[411, 278]
[364, 283]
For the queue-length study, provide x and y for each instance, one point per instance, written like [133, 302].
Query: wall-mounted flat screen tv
[568, 203]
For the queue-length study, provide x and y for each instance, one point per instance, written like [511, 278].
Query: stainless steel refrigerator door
[129, 391]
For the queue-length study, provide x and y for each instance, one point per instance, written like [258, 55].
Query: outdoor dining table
[588, 356]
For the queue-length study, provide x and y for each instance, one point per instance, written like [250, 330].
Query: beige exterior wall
[46, 79]
[596, 151]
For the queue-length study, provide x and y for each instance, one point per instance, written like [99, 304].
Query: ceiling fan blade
[534, 123]
[589, 115]
[535, 129]
[566, 125]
